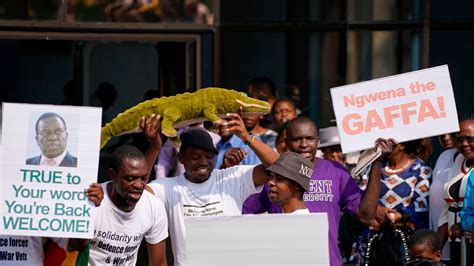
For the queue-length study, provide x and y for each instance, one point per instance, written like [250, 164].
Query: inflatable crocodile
[182, 110]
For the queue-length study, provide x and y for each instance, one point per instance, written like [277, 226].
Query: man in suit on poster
[51, 137]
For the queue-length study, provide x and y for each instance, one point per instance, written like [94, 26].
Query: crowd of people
[397, 212]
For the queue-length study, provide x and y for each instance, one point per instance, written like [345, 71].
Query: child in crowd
[425, 248]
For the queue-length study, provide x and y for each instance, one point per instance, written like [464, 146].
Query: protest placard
[50, 154]
[405, 107]
[266, 239]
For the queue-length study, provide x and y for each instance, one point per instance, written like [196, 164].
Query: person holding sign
[289, 180]
[403, 206]
[205, 191]
[128, 213]
[51, 137]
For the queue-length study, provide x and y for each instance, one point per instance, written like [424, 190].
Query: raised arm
[264, 152]
[368, 205]
[157, 254]
[151, 126]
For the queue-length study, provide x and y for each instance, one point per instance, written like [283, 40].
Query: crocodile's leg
[210, 113]
[170, 116]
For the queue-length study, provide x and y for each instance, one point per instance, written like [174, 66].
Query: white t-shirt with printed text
[222, 194]
[118, 234]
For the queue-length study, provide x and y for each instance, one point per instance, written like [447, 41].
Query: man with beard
[128, 212]
[205, 191]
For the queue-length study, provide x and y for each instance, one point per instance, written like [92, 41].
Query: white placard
[267, 239]
[405, 107]
[46, 200]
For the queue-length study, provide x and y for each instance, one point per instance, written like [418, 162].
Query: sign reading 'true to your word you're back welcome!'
[49, 155]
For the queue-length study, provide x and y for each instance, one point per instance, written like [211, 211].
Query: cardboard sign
[267, 239]
[405, 107]
[50, 154]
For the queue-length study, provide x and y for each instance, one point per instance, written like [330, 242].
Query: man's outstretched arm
[264, 152]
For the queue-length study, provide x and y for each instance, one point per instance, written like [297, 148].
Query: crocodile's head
[251, 105]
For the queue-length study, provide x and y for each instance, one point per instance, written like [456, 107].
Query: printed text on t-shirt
[319, 190]
[209, 209]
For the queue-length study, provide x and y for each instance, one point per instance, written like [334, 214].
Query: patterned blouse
[407, 192]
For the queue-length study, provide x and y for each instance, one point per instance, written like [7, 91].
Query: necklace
[388, 170]
[464, 168]
[403, 248]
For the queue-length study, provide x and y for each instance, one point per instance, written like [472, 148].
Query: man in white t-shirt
[205, 191]
[128, 214]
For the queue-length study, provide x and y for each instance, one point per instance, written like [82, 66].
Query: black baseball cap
[293, 166]
[197, 137]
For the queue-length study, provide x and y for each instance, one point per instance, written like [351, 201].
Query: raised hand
[386, 146]
[233, 156]
[151, 126]
[233, 123]
[95, 194]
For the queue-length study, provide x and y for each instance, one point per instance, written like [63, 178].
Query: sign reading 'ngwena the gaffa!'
[404, 107]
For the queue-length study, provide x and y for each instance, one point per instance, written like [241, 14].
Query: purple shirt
[260, 203]
[331, 190]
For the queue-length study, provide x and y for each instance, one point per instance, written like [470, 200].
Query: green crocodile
[182, 110]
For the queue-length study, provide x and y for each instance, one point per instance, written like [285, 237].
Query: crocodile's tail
[127, 121]
[105, 136]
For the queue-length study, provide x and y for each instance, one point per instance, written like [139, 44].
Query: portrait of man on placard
[51, 136]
